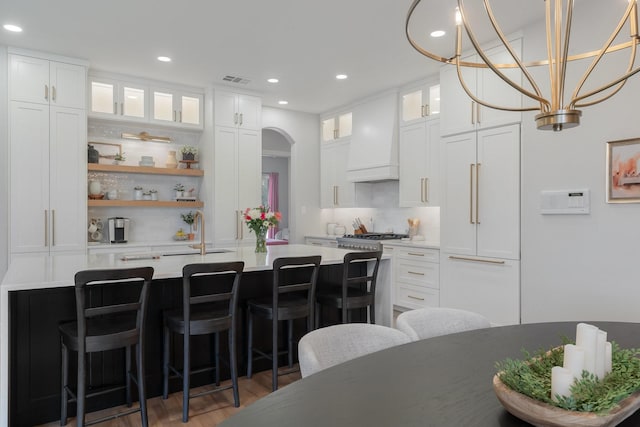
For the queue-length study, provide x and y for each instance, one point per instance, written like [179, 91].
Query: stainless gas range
[367, 241]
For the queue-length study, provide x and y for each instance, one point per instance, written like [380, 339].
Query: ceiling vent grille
[236, 79]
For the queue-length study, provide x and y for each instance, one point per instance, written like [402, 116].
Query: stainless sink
[197, 252]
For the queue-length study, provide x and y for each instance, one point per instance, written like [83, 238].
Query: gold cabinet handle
[53, 227]
[415, 273]
[472, 166]
[426, 190]
[478, 113]
[46, 228]
[488, 261]
[414, 254]
[235, 119]
[180, 113]
[427, 110]
[478, 193]
[46, 92]
[115, 108]
[122, 108]
[316, 244]
[241, 119]
[53, 93]
[422, 111]
[473, 120]
[416, 298]
[422, 190]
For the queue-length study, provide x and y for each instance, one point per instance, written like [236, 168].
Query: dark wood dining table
[442, 381]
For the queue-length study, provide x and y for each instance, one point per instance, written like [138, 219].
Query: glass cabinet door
[133, 102]
[412, 105]
[190, 110]
[163, 106]
[103, 97]
[344, 125]
[328, 129]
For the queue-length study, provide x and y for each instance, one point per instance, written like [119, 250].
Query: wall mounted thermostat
[565, 202]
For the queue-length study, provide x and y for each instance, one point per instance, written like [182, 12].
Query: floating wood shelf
[97, 167]
[145, 203]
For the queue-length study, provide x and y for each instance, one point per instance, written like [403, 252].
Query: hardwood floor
[209, 410]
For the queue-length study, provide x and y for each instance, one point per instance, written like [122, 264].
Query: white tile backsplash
[385, 216]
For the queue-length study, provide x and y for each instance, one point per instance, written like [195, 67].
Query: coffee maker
[118, 230]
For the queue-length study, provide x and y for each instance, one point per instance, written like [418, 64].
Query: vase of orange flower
[259, 220]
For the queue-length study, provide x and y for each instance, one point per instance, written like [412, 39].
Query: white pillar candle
[607, 358]
[561, 380]
[586, 337]
[601, 342]
[574, 360]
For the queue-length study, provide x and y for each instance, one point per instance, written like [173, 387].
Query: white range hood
[373, 151]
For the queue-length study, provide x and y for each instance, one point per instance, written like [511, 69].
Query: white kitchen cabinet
[418, 102]
[118, 100]
[178, 108]
[238, 173]
[417, 277]
[48, 185]
[480, 213]
[419, 163]
[238, 110]
[490, 287]
[459, 113]
[335, 190]
[46, 82]
[337, 126]
[47, 154]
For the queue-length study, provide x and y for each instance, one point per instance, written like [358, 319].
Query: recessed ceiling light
[437, 33]
[12, 28]
[283, 102]
[273, 80]
[341, 76]
[164, 59]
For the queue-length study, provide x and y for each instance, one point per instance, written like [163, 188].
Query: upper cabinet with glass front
[177, 108]
[138, 100]
[118, 100]
[336, 127]
[419, 102]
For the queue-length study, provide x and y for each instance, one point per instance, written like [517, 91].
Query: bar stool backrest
[369, 280]
[85, 311]
[216, 292]
[281, 286]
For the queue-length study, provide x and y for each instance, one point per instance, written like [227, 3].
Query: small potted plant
[119, 158]
[179, 189]
[189, 218]
[154, 194]
[137, 192]
[189, 152]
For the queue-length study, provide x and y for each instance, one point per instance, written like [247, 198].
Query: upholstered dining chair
[332, 345]
[435, 321]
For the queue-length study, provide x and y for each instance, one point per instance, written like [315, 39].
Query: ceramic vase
[94, 187]
[172, 162]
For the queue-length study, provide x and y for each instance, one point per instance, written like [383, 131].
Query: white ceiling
[303, 43]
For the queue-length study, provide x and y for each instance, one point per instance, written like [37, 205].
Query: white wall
[4, 166]
[304, 130]
[579, 267]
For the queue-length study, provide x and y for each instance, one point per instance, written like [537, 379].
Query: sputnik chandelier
[556, 113]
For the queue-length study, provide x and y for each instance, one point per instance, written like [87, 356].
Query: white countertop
[39, 271]
[426, 244]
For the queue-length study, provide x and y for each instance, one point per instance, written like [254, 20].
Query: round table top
[442, 381]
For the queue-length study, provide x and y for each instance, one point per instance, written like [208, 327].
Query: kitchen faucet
[201, 246]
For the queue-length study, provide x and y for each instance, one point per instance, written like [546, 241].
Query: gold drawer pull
[416, 273]
[489, 261]
[414, 254]
[412, 297]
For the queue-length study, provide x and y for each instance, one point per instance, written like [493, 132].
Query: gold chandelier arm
[413, 43]
[622, 79]
[499, 32]
[550, 54]
[565, 52]
[490, 64]
[596, 60]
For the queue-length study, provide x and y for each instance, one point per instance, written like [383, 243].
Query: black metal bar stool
[358, 288]
[105, 327]
[211, 311]
[293, 290]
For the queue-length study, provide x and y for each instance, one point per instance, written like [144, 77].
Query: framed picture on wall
[623, 171]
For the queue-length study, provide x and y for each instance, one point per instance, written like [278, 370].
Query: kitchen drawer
[332, 243]
[418, 254]
[412, 297]
[422, 274]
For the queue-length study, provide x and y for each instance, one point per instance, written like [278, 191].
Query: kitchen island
[39, 287]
